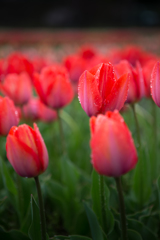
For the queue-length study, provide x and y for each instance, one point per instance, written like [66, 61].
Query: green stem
[41, 209]
[137, 125]
[61, 132]
[140, 163]
[154, 160]
[122, 208]
[103, 201]
[20, 198]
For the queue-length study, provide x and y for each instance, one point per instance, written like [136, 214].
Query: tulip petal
[142, 88]
[118, 95]
[155, 84]
[41, 147]
[113, 153]
[62, 91]
[88, 94]
[106, 79]
[21, 159]
[38, 87]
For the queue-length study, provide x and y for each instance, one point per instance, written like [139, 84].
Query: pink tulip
[53, 86]
[8, 115]
[112, 147]
[26, 151]
[155, 84]
[99, 90]
[17, 87]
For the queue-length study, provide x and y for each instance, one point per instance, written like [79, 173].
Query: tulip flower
[26, 151]
[137, 85]
[36, 110]
[132, 54]
[85, 58]
[53, 86]
[18, 87]
[155, 84]
[99, 90]
[113, 151]
[8, 115]
[18, 63]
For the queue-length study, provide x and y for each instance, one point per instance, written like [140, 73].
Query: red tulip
[155, 84]
[85, 58]
[112, 147]
[99, 90]
[53, 86]
[17, 87]
[8, 115]
[36, 110]
[137, 85]
[26, 151]
[147, 71]
[18, 63]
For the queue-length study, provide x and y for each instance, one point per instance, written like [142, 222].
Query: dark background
[78, 14]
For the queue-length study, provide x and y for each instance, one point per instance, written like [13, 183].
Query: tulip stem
[122, 208]
[103, 201]
[61, 132]
[20, 198]
[154, 162]
[41, 209]
[137, 126]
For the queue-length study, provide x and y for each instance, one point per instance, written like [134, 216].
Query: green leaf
[133, 235]
[96, 198]
[142, 179]
[70, 175]
[61, 237]
[93, 222]
[76, 237]
[12, 235]
[158, 186]
[35, 228]
[73, 237]
[146, 233]
[7, 179]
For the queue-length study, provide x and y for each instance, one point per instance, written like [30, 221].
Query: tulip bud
[112, 147]
[99, 90]
[8, 115]
[53, 86]
[17, 87]
[26, 151]
[155, 84]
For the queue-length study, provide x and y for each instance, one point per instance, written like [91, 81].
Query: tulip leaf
[96, 199]
[61, 237]
[74, 237]
[141, 179]
[158, 186]
[96, 230]
[12, 235]
[35, 228]
[7, 179]
[146, 233]
[133, 235]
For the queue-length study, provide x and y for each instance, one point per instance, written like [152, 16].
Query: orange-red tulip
[53, 86]
[99, 90]
[26, 151]
[8, 115]
[112, 147]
